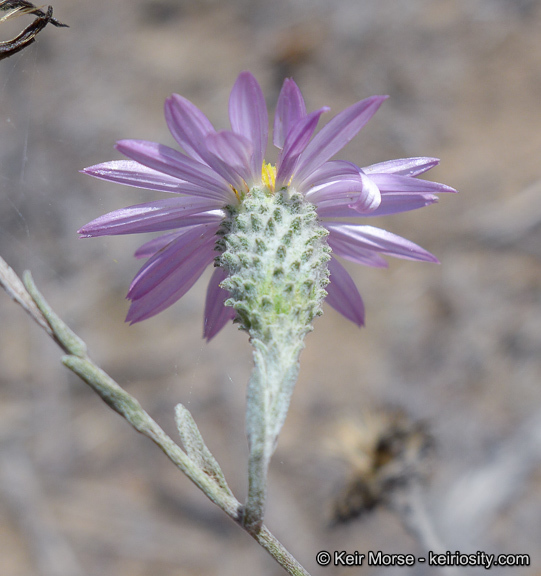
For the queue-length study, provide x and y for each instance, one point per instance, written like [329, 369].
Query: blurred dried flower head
[386, 453]
[296, 45]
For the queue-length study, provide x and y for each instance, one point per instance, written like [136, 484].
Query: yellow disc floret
[268, 176]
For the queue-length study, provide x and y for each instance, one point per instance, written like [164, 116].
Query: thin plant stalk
[195, 464]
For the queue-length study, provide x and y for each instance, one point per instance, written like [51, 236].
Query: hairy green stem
[275, 253]
[275, 373]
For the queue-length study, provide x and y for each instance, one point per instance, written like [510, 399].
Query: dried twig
[28, 35]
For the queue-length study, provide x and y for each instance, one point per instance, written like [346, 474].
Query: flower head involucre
[272, 231]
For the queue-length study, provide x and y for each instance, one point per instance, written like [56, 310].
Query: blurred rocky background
[455, 346]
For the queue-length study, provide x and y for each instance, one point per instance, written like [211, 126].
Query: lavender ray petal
[172, 162]
[188, 125]
[134, 174]
[329, 172]
[234, 150]
[190, 128]
[131, 173]
[216, 313]
[178, 259]
[338, 190]
[355, 253]
[342, 294]
[337, 209]
[290, 108]
[380, 241]
[150, 248]
[154, 217]
[360, 192]
[171, 288]
[396, 203]
[402, 166]
[397, 183]
[390, 204]
[370, 199]
[335, 135]
[249, 118]
[296, 141]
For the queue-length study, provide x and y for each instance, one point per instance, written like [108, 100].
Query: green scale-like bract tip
[276, 254]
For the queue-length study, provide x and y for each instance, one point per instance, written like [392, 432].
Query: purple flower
[217, 171]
